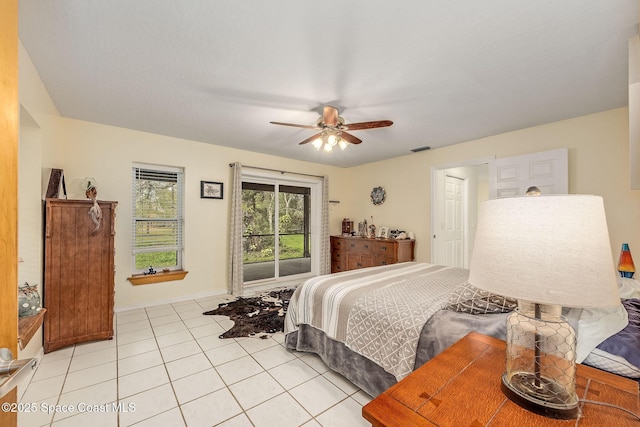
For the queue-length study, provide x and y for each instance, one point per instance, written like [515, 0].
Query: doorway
[484, 179]
[456, 193]
[279, 219]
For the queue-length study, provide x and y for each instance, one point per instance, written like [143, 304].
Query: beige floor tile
[90, 376]
[147, 404]
[95, 358]
[239, 369]
[225, 354]
[168, 366]
[281, 411]
[317, 395]
[140, 381]
[211, 409]
[139, 362]
[187, 366]
[293, 373]
[137, 335]
[133, 326]
[197, 385]
[255, 390]
[88, 397]
[137, 347]
[169, 328]
[347, 413]
[179, 351]
[273, 357]
[170, 418]
[51, 369]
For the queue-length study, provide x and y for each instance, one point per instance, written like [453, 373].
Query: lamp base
[548, 399]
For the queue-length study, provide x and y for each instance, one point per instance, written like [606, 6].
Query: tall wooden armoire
[78, 272]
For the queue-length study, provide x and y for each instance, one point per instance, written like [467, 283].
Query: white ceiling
[445, 71]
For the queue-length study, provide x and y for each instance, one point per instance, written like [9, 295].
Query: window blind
[158, 211]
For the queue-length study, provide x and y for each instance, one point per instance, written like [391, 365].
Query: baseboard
[169, 301]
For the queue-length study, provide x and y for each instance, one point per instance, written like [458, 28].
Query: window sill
[142, 279]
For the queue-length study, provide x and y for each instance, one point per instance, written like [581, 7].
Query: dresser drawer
[349, 253]
[383, 248]
[360, 245]
[384, 259]
[336, 243]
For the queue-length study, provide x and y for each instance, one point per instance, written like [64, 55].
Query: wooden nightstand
[461, 387]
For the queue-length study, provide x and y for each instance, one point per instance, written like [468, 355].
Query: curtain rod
[276, 170]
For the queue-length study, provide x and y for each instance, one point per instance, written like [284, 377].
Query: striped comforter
[378, 312]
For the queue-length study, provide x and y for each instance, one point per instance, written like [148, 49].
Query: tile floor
[167, 367]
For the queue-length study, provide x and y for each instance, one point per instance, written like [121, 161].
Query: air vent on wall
[425, 148]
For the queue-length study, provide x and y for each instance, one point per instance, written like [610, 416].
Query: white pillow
[628, 288]
[596, 325]
[612, 363]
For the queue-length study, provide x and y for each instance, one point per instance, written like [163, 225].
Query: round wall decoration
[378, 195]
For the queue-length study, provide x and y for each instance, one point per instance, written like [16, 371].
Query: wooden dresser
[78, 273]
[350, 253]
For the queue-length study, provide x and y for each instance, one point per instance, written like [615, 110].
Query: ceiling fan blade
[330, 116]
[350, 138]
[368, 125]
[311, 138]
[294, 125]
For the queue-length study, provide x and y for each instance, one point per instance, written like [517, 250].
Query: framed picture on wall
[210, 190]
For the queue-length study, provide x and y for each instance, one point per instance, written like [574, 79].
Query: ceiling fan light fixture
[332, 128]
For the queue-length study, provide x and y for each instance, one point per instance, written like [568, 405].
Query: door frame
[315, 184]
[9, 129]
[435, 201]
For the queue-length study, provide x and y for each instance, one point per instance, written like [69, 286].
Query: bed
[376, 325]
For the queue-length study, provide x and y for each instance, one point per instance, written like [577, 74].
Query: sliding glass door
[277, 218]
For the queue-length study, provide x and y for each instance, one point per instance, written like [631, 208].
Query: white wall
[598, 164]
[107, 153]
[30, 244]
[598, 159]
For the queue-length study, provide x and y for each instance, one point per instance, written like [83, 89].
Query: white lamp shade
[545, 249]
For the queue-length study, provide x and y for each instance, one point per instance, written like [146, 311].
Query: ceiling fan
[333, 130]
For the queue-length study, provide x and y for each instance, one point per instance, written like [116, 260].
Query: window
[281, 222]
[157, 218]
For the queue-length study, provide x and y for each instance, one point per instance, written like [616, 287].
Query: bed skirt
[442, 330]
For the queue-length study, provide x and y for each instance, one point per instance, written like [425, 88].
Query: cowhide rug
[257, 315]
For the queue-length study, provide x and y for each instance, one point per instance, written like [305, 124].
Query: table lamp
[547, 252]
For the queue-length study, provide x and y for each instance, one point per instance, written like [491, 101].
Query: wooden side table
[461, 387]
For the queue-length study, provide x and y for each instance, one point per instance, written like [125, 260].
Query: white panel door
[451, 228]
[548, 170]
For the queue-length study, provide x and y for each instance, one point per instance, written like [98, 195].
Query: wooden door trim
[9, 124]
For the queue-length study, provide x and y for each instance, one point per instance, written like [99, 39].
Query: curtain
[325, 250]
[236, 280]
